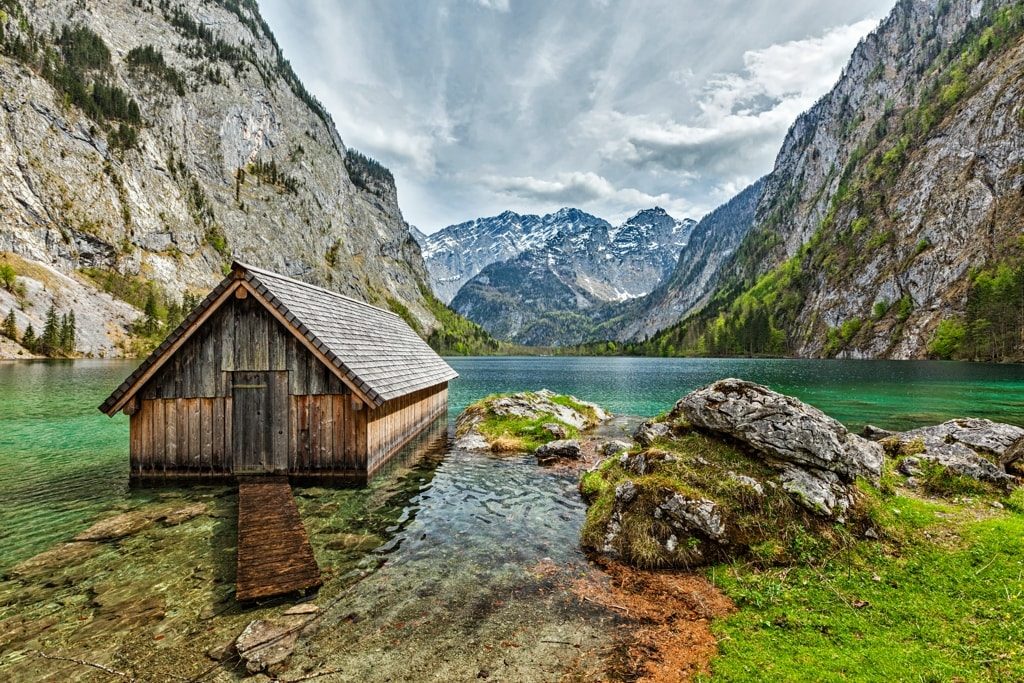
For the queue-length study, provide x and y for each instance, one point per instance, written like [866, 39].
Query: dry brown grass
[507, 444]
[669, 614]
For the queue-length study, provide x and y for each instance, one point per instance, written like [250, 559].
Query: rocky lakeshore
[738, 486]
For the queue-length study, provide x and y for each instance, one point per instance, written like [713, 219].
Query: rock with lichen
[979, 450]
[734, 470]
[524, 421]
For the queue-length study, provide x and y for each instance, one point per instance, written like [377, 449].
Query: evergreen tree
[28, 340]
[49, 343]
[9, 328]
[67, 334]
[152, 315]
[174, 315]
[189, 302]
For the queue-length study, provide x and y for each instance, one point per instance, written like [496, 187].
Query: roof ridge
[264, 271]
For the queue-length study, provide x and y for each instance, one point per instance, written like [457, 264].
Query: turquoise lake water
[63, 463]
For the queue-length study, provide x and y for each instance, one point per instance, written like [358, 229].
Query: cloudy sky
[478, 106]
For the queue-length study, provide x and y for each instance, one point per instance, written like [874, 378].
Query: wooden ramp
[274, 555]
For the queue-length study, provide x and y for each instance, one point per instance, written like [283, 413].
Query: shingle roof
[374, 348]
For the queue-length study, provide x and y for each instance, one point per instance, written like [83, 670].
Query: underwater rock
[781, 427]
[184, 514]
[563, 449]
[54, 558]
[266, 644]
[360, 542]
[648, 432]
[118, 526]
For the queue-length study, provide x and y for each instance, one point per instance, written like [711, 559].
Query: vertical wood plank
[293, 430]
[181, 418]
[217, 426]
[159, 442]
[229, 443]
[325, 456]
[206, 432]
[338, 446]
[227, 331]
[195, 432]
[279, 420]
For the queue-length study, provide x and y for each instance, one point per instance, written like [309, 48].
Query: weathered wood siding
[328, 434]
[186, 414]
[181, 435]
[391, 425]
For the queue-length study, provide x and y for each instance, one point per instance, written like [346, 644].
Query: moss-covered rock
[525, 421]
[687, 496]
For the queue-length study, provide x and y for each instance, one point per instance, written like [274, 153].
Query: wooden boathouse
[270, 375]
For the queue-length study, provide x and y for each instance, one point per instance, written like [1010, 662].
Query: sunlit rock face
[232, 158]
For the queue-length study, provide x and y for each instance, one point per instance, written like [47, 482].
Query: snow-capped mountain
[648, 245]
[536, 274]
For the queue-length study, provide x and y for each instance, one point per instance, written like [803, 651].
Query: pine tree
[49, 343]
[152, 317]
[67, 334]
[28, 340]
[189, 301]
[9, 328]
[174, 315]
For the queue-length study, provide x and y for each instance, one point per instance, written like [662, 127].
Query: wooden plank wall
[393, 424]
[327, 434]
[181, 435]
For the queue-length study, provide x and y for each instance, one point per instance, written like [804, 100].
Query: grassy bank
[941, 600]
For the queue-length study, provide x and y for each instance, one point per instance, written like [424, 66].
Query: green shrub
[948, 339]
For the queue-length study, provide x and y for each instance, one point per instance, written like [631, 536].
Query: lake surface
[62, 462]
[451, 565]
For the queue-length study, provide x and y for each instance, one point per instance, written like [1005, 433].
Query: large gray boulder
[781, 427]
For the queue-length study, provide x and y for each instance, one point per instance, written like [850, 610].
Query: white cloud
[497, 5]
[742, 116]
[479, 105]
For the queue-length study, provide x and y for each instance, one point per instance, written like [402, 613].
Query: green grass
[507, 433]
[944, 601]
[522, 434]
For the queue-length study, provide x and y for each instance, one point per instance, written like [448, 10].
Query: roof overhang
[222, 293]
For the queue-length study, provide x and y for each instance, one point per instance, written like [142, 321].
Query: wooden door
[259, 422]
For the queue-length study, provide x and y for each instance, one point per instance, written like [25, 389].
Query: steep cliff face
[887, 198]
[552, 293]
[143, 145]
[711, 244]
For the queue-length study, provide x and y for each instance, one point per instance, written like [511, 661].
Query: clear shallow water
[63, 463]
[476, 555]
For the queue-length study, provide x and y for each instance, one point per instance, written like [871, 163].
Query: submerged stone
[563, 449]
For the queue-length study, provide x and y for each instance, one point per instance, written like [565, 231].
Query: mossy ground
[941, 599]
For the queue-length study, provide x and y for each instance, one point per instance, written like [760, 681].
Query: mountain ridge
[148, 144]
